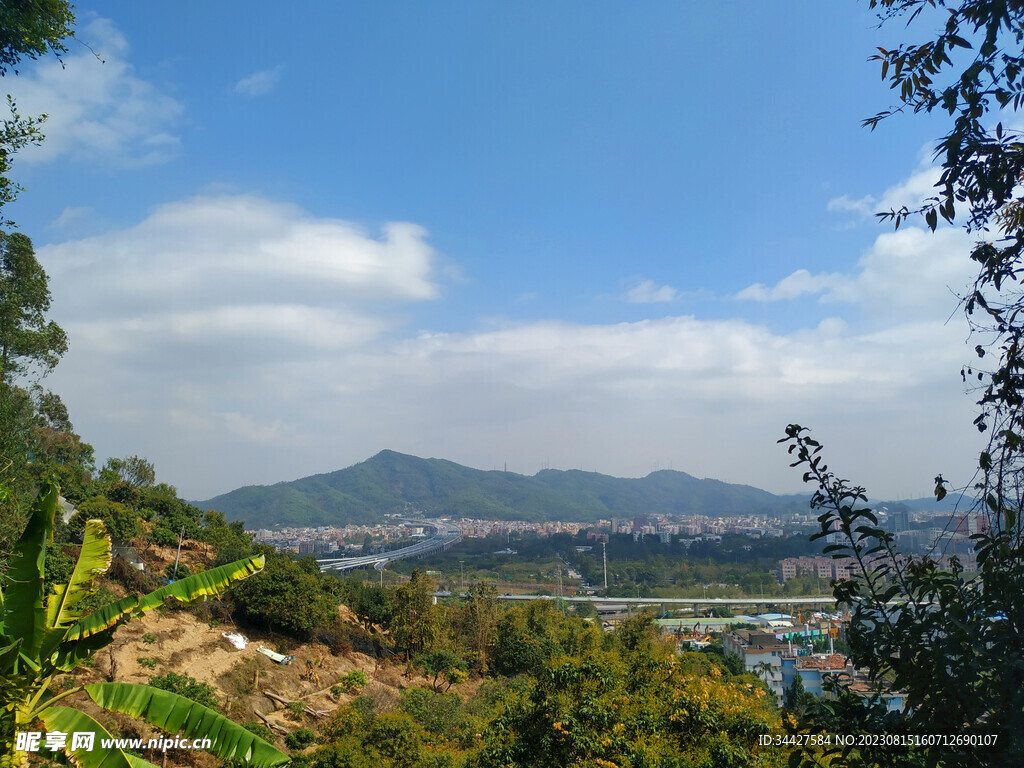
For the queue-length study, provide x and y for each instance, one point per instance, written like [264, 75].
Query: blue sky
[578, 236]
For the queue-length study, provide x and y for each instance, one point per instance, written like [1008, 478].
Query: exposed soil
[183, 644]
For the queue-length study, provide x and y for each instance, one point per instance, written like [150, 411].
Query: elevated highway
[443, 535]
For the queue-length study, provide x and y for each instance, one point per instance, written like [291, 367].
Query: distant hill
[395, 482]
[953, 502]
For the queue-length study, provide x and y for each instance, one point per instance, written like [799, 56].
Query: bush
[163, 537]
[335, 636]
[365, 706]
[147, 662]
[189, 687]
[177, 572]
[285, 597]
[438, 713]
[352, 682]
[299, 739]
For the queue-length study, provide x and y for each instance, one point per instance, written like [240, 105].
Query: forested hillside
[396, 482]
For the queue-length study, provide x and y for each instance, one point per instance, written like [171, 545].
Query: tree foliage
[26, 338]
[600, 710]
[949, 640]
[32, 28]
[285, 597]
[28, 28]
[417, 619]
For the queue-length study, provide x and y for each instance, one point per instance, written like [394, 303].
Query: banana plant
[43, 635]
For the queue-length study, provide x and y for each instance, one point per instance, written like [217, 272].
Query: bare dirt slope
[182, 644]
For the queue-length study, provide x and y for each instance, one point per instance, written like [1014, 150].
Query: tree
[592, 710]
[120, 521]
[797, 697]
[59, 454]
[950, 640]
[26, 338]
[443, 665]
[477, 619]
[32, 28]
[28, 28]
[286, 597]
[982, 167]
[417, 619]
[43, 635]
[373, 604]
[136, 471]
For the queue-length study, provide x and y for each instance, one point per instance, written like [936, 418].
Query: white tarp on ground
[239, 641]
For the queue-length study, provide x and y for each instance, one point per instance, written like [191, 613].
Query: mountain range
[394, 482]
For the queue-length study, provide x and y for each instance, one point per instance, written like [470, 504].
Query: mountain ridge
[390, 482]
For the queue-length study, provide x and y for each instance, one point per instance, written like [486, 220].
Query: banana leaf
[138, 762]
[70, 655]
[203, 584]
[7, 656]
[69, 721]
[93, 560]
[23, 582]
[176, 714]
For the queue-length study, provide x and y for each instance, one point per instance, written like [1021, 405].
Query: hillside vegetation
[395, 482]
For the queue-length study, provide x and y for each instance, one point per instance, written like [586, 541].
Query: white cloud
[909, 270]
[259, 83]
[234, 340]
[71, 216]
[233, 283]
[649, 292]
[910, 193]
[913, 192]
[797, 284]
[865, 206]
[97, 109]
[246, 249]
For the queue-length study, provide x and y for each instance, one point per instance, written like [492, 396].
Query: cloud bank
[235, 339]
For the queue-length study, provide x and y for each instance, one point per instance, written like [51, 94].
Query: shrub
[177, 572]
[163, 537]
[147, 662]
[189, 687]
[299, 739]
[365, 706]
[352, 682]
[148, 639]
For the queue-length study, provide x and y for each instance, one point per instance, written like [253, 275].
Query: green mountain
[395, 482]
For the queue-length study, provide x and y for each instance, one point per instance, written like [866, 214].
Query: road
[444, 534]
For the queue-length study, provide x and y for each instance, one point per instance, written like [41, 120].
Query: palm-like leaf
[23, 582]
[70, 721]
[176, 714]
[93, 560]
[202, 584]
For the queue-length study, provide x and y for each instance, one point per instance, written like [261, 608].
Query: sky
[581, 235]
